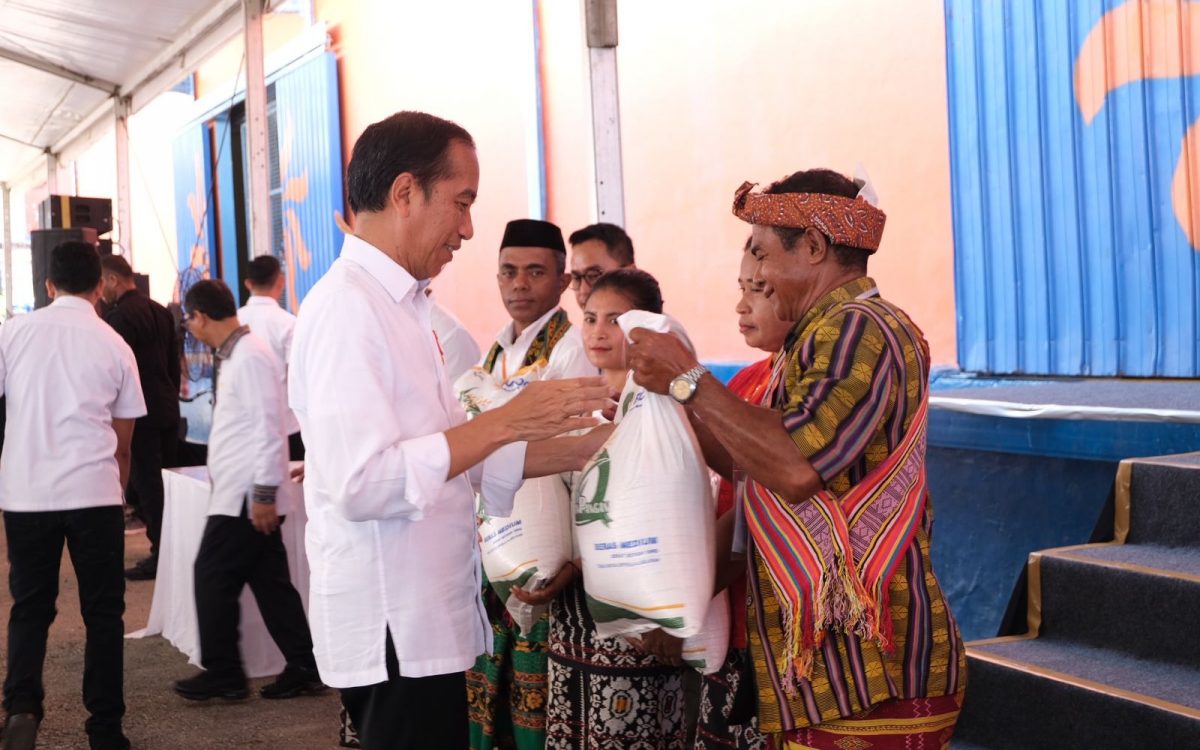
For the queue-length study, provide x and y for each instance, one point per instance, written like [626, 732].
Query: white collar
[261, 300]
[73, 302]
[506, 339]
[394, 279]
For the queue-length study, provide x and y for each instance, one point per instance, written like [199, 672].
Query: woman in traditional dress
[609, 693]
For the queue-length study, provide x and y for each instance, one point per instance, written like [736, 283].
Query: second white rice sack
[644, 518]
[705, 651]
[529, 546]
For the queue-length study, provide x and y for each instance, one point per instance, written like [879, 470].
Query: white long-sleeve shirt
[274, 325]
[458, 346]
[67, 374]
[248, 443]
[391, 541]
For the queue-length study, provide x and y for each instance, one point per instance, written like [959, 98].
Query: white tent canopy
[64, 64]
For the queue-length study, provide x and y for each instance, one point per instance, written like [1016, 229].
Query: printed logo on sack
[590, 496]
[632, 399]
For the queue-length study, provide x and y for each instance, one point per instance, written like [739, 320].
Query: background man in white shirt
[273, 324]
[247, 461]
[457, 344]
[392, 461]
[73, 395]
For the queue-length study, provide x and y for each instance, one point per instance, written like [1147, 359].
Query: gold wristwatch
[683, 387]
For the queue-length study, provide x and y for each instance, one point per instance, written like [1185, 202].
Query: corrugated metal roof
[62, 60]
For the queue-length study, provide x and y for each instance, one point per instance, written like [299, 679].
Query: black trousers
[295, 447]
[232, 555]
[152, 449]
[410, 713]
[95, 539]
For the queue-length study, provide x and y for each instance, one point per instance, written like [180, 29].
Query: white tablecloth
[173, 609]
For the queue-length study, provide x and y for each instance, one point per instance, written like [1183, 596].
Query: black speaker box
[42, 243]
[73, 211]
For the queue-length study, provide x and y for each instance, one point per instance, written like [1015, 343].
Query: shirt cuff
[503, 475]
[264, 493]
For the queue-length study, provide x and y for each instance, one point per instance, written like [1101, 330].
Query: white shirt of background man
[67, 374]
[248, 445]
[274, 325]
[391, 541]
[458, 346]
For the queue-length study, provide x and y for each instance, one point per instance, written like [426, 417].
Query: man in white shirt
[532, 278]
[273, 324]
[247, 461]
[73, 394]
[392, 461]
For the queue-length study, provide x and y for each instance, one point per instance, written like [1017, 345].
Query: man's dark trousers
[95, 539]
[410, 713]
[233, 554]
[152, 449]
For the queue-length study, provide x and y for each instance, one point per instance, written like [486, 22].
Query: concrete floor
[156, 718]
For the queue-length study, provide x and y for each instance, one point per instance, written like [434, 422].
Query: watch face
[681, 389]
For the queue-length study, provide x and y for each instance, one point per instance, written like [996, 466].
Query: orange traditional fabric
[847, 221]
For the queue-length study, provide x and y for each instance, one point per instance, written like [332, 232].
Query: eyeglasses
[590, 276]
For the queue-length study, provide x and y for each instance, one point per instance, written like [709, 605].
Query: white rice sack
[705, 652]
[528, 547]
[643, 517]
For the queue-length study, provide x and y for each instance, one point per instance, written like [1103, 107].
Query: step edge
[1172, 460]
[1074, 680]
[1069, 553]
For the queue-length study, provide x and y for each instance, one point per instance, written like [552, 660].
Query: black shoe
[108, 741]
[294, 681]
[20, 732]
[145, 570]
[204, 686]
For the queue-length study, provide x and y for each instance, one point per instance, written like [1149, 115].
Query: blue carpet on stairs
[1174, 559]
[1169, 682]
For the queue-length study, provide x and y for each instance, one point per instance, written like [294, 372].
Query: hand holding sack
[529, 546]
[644, 521]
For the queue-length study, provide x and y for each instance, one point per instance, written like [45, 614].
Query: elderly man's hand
[657, 358]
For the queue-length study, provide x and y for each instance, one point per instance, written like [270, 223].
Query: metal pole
[124, 223]
[601, 22]
[256, 123]
[8, 284]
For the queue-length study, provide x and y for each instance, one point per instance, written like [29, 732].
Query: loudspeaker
[73, 211]
[42, 243]
[141, 282]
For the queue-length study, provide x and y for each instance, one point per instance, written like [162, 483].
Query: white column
[51, 172]
[256, 125]
[601, 23]
[8, 251]
[124, 222]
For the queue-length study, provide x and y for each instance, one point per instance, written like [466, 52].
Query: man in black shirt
[149, 329]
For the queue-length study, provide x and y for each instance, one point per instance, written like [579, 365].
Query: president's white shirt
[67, 374]
[458, 346]
[391, 541]
[274, 325]
[248, 444]
[568, 358]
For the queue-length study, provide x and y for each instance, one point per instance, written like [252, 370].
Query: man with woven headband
[851, 636]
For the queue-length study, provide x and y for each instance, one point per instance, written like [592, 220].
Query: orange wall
[714, 93]
[711, 93]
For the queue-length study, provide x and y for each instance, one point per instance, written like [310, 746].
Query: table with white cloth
[173, 609]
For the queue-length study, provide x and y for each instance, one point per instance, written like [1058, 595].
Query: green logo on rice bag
[595, 507]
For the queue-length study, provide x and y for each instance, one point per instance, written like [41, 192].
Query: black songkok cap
[533, 233]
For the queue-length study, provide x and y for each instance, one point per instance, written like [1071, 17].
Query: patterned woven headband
[847, 221]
